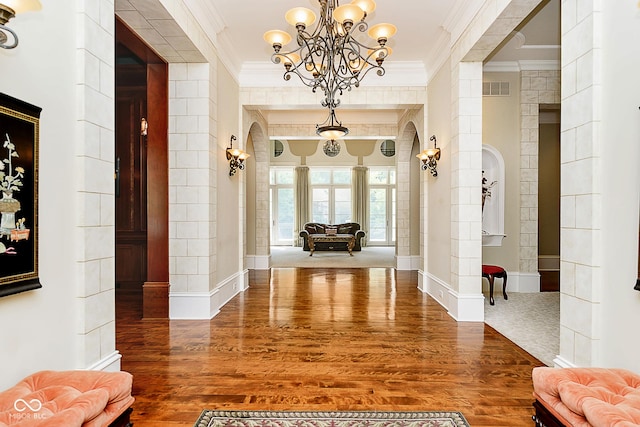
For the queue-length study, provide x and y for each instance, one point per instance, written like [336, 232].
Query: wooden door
[131, 191]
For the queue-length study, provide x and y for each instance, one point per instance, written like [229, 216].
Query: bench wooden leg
[123, 420]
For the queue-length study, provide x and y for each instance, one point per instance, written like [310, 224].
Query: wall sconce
[430, 157]
[236, 157]
[9, 9]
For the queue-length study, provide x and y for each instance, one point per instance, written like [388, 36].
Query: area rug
[210, 418]
[368, 257]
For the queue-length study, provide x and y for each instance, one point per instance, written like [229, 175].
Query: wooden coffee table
[349, 239]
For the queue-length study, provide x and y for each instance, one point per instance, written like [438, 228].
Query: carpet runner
[210, 418]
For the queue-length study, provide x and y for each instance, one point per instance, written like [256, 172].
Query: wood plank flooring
[323, 339]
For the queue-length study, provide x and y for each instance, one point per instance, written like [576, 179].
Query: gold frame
[19, 140]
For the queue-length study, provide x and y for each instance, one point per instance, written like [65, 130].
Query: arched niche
[493, 196]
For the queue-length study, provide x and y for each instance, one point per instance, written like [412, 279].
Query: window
[382, 206]
[281, 205]
[330, 195]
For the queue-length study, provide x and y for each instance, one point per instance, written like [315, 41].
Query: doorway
[549, 198]
[141, 173]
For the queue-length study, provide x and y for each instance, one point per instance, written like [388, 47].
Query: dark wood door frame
[156, 286]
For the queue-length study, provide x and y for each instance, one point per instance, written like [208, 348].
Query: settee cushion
[66, 399]
[590, 396]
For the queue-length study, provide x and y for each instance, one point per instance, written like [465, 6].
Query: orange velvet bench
[68, 399]
[583, 397]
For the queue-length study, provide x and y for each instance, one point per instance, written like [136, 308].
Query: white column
[192, 183]
[95, 191]
[466, 192]
[580, 221]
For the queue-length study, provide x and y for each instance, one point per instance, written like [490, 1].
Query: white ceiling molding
[460, 16]
[439, 53]
[522, 65]
[213, 25]
[539, 64]
[540, 46]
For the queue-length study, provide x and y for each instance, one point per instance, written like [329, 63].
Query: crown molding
[460, 16]
[521, 65]
[213, 25]
[439, 53]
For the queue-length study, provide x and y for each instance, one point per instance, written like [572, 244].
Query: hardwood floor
[323, 339]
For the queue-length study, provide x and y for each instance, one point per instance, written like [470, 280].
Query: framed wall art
[19, 134]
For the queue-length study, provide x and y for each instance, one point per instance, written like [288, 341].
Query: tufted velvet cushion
[66, 399]
[590, 396]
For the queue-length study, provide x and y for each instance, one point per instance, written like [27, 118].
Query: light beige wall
[438, 190]
[228, 215]
[501, 129]
[549, 190]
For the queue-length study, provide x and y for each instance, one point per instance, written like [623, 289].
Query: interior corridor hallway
[323, 339]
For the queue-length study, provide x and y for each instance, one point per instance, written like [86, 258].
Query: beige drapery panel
[301, 202]
[360, 199]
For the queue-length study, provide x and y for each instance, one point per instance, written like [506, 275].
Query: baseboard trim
[561, 362]
[411, 262]
[258, 262]
[110, 363]
[206, 305]
[522, 282]
[462, 307]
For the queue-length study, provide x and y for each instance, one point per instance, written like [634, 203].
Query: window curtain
[301, 202]
[360, 199]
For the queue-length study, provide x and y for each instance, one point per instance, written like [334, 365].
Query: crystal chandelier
[329, 56]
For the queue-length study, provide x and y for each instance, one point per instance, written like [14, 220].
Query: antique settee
[318, 228]
[584, 397]
[68, 399]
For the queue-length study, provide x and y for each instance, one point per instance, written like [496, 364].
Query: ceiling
[425, 28]
[426, 31]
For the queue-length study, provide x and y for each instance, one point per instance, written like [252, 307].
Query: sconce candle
[8, 10]
[430, 157]
[236, 157]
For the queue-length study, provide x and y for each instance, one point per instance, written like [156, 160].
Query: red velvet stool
[491, 272]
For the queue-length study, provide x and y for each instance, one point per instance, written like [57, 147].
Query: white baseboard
[560, 362]
[206, 305]
[521, 282]
[258, 262]
[110, 363]
[463, 308]
[411, 262]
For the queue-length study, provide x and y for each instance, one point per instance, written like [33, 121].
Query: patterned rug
[329, 419]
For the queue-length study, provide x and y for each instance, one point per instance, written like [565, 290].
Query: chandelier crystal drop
[329, 57]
